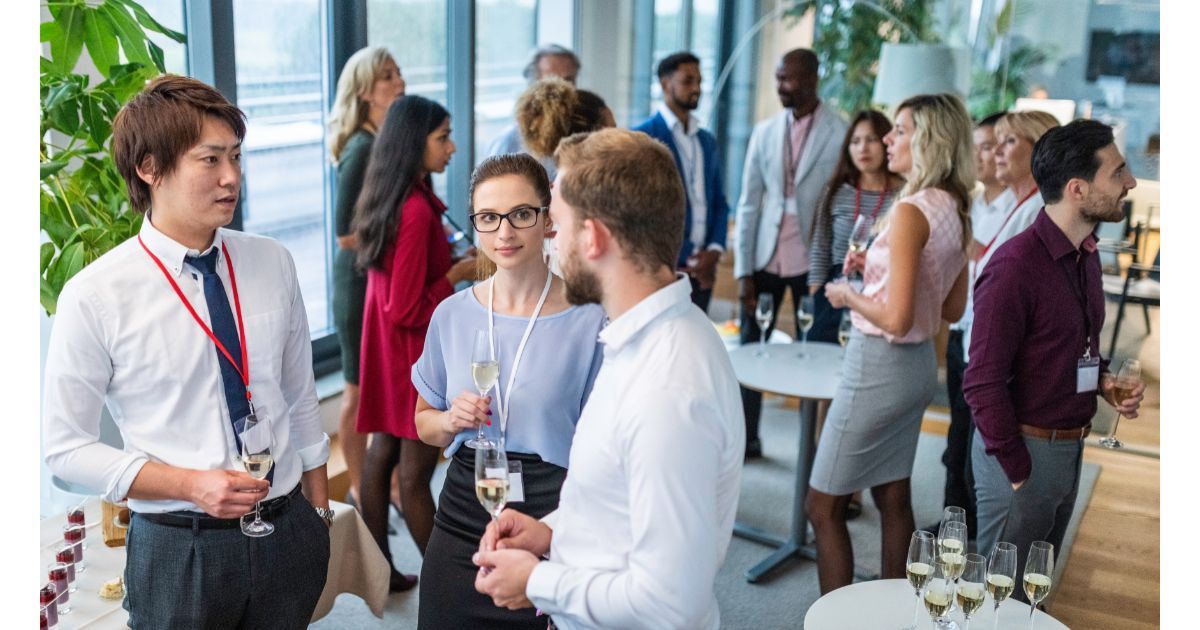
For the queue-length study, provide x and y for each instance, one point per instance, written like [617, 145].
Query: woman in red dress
[403, 248]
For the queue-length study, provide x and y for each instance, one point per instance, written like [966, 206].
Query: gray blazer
[760, 208]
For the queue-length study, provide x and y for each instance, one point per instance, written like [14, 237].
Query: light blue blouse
[556, 374]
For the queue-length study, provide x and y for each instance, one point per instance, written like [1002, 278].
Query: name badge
[789, 206]
[1087, 375]
[516, 484]
[257, 437]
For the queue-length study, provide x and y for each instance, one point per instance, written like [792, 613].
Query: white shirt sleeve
[672, 470]
[78, 371]
[297, 383]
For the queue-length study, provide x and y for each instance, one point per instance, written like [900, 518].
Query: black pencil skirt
[448, 598]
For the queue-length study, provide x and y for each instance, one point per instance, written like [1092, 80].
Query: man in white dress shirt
[647, 510]
[148, 330]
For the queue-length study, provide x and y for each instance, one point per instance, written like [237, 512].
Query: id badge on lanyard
[1087, 373]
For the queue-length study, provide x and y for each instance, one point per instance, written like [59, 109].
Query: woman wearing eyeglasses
[541, 391]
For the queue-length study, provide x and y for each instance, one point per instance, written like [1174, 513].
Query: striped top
[831, 233]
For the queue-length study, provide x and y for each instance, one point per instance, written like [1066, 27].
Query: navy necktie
[224, 327]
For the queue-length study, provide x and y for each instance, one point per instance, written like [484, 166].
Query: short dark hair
[671, 63]
[161, 123]
[1068, 152]
[991, 119]
[549, 50]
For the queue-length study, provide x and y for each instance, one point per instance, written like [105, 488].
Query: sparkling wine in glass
[1126, 380]
[257, 464]
[764, 312]
[491, 477]
[952, 549]
[1001, 576]
[919, 566]
[844, 328]
[485, 371]
[970, 594]
[939, 595]
[1039, 567]
[860, 238]
[804, 321]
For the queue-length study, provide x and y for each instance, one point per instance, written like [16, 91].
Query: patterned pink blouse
[941, 261]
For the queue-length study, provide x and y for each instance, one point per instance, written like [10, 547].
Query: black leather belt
[199, 520]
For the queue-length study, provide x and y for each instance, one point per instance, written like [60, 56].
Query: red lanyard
[244, 369]
[995, 236]
[858, 201]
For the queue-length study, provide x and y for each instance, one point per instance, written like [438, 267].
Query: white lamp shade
[909, 69]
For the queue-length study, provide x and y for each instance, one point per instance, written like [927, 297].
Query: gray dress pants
[1040, 510]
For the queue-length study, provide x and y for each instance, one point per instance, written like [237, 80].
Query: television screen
[1130, 55]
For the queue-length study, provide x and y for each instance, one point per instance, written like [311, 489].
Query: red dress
[400, 301]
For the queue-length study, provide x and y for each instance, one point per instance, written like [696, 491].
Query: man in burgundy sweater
[1035, 370]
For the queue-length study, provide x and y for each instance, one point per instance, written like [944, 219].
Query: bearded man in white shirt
[646, 514]
[192, 382]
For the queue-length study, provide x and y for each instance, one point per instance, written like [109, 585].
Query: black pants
[826, 319]
[960, 483]
[765, 282]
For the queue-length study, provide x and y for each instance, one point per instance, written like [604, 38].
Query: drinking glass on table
[939, 594]
[58, 576]
[764, 312]
[66, 555]
[491, 477]
[73, 536]
[970, 592]
[485, 371]
[257, 461]
[952, 547]
[1001, 576]
[919, 566]
[1126, 380]
[845, 327]
[804, 321]
[954, 513]
[1039, 567]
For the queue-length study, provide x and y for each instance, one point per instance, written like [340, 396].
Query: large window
[690, 25]
[281, 87]
[504, 39]
[169, 13]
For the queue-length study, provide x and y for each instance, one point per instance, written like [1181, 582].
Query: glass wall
[505, 36]
[699, 35]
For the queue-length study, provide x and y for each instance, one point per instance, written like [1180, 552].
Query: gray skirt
[871, 430]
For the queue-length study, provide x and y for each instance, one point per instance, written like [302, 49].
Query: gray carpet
[782, 599]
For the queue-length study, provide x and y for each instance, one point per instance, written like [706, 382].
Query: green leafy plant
[84, 205]
[997, 88]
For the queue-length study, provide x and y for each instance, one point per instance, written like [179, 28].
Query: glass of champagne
[257, 463]
[485, 371]
[1039, 567]
[804, 321]
[919, 566]
[491, 477]
[952, 547]
[1001, 576]
[764, 312]
[860, 240]
[1126, 380]
[970, 586]
[845, 327]
[939, 594]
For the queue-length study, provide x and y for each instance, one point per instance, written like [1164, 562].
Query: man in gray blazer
[790, 158]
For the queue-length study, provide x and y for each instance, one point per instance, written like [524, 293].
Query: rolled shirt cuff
[543, 585]
[120, 492]
[316, 455]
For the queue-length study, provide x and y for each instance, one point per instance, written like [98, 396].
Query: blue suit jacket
[717, 222]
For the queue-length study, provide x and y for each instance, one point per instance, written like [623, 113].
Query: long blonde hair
[349, 109]
[942, 152]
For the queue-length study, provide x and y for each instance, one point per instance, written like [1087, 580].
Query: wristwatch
[326, 515]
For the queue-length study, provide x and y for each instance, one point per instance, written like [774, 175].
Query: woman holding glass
[914, 276]
[861, 187]
[370, 82]
[548, 357]
[404, 249]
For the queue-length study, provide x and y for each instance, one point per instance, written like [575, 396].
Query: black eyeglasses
[520, 218]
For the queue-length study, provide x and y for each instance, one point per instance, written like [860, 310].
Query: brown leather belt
[1056, 434]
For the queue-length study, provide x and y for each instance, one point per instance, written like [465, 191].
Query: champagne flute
[485, 371]
[1039, 567]
[1127, 380]
[844, 328]
[257, 463]
[491, 477]
[919, 566]
[939, 594]
[764, 312]
[804, 320]
[860, 238]
[1001, 576]
[954, 513]
[952, 545]
[970, 586]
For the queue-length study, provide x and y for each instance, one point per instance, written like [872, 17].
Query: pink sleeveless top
[941, 261]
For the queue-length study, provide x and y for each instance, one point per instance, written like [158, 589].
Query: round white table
[811, 378]
[889, 604]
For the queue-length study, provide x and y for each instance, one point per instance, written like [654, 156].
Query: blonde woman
[369, 83]
[914, 277]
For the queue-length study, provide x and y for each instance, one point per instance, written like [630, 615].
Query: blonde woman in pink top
[915, 276]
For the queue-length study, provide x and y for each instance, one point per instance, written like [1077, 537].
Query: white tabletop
[890, 604]
[783, 371]
[355, 566]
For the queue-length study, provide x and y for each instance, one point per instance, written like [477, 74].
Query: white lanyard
[512, 374]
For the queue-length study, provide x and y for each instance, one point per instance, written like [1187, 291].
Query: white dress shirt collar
[673, 121]
[171, 252]
[620, 331]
